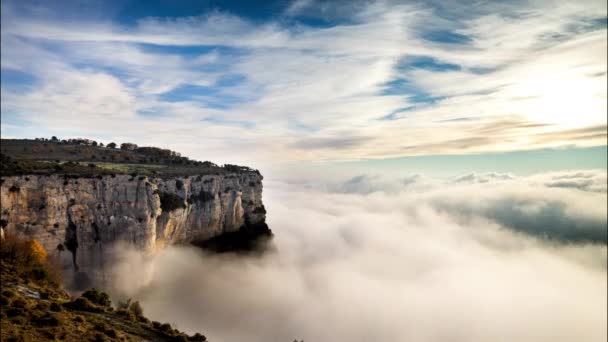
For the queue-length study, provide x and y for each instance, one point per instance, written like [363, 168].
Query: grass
[144, 170]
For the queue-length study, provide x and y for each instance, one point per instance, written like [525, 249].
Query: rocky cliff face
[80, 219]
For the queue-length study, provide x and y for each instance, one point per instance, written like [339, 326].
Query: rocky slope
[81, 219]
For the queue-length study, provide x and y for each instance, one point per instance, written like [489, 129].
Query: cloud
[485, 93]
[483, 178]
[399, 267]
[594, 181]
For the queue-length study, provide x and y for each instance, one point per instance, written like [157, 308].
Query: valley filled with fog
[477, 257]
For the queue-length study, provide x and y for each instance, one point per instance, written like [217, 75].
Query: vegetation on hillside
[86, 156]
[34, 307]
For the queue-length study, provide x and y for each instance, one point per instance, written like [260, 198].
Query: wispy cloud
[449, 72]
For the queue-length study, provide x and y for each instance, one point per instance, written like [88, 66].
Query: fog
[474, 258]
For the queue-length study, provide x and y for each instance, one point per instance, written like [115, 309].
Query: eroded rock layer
[79, 219]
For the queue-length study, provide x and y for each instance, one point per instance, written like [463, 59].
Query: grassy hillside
[87, 157]
[34, 307]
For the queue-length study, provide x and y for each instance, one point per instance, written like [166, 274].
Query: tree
[100, 144]
[54, 138]
[36, 251]
[94, 143]
[128, 146]
[112, 145]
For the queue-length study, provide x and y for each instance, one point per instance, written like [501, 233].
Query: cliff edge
[82, 216]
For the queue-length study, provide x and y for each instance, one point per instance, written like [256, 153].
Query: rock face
[80, 219]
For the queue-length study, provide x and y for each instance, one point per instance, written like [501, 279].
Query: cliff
[81, 218]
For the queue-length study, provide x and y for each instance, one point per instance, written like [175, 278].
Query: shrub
[97, 297]
[166, 328]
[46, 320]
[170, 202]
[126, 314]
[259, 210]
[136, 309]
[202, 197]
[99, 337]
[19, 303]
[198, 338]
[106, 329]
[23, 253]
[8, 293]
[82, 304]
[55, 307]
[40, 273]
[132, 307]
[19, 320]
[14, 312]
[143, 319]
[37, 251]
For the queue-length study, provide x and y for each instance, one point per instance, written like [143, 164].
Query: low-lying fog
[487, 257]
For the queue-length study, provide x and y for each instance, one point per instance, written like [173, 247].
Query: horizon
[294, 82]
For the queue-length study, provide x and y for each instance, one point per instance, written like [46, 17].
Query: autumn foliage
[36, 251]
[29, 257]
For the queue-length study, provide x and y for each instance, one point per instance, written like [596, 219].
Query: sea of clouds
[479, 257]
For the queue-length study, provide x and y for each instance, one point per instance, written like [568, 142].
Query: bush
[97, 297]
[126, 314]
[202, 197]
[55, 307]
[136, 309]
[40, 273]
[143, 319]
[46, 320]
[166, 328]
[14, 312]
[22, 252]
[19, 320]
[106, 329]
[132, 307]
[170, 202]
[82, 304]
[198, 338]
[19, 303]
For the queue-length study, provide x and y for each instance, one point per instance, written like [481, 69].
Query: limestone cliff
[81, 218]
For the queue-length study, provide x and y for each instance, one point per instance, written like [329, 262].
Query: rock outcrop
[80, 219]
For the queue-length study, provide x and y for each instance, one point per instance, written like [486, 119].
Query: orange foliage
[36, 250]
[17, 249]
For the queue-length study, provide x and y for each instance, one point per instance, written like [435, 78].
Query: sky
[291, 85]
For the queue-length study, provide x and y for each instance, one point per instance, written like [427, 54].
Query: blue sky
[305, 81]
